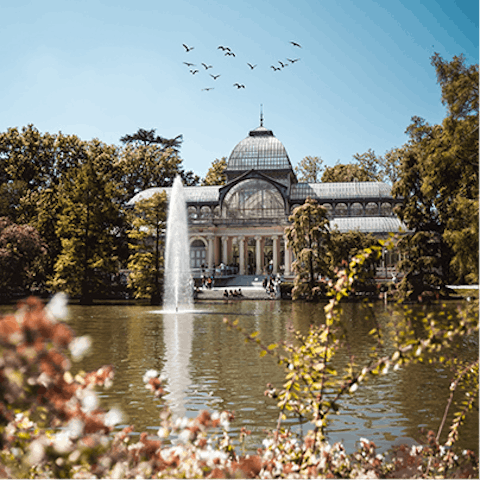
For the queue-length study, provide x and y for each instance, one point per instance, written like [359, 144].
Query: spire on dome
[261, 115]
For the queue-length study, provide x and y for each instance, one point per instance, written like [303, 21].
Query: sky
[105, 68]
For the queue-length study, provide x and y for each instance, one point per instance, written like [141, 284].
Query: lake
[211, 367]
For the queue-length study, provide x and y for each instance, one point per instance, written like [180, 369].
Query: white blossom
[57, 306]
[89, 401]
[80, 346]
[113, 417]
[149, 374]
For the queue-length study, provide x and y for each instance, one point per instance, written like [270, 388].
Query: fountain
[178, 288]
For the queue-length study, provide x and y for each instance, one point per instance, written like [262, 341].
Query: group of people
[271, 284]
[208, 282]
[233, 293]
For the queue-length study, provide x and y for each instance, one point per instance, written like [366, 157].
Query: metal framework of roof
[379, 225]
[261, 150]
[340, 190]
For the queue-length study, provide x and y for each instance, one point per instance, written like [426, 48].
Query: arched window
[205, 213]
[371, 209]
[192, 213]
[253, 199]
[356, 209]
[386, 209]
[198, 254]
[341, 210]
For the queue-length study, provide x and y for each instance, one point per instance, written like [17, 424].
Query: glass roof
[192, 194]
[340, 190]
[369, 224]
[260, 151]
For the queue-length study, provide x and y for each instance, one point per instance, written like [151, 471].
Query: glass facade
[253, 199]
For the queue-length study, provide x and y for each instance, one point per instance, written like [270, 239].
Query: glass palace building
[240, 225]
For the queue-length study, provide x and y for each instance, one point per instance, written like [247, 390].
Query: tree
[148, 160]
[26, 164]
[87, 225]
[216, 173]
[22, 258]
[423, 264]
[309, 238]
[148, 137]
[347, 173]
[454, 164]
[439, 180]
[148, 223]
[310, 169]
[343, 246]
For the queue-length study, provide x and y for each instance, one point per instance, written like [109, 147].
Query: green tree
[439, 181]
[347, 173]
[87, 225]
[310, 169]
[309, 238]
[149, 137]
[149, 160]
[148, 222]
[26, 165]
[216, 173]
[425, 262]
[343, 246]
[22, 258]
[453, 164]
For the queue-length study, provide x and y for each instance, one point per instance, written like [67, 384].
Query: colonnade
[233, 249]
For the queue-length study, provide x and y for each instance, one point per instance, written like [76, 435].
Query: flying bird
[275, 68]
[207, 89]
[221, 47]
[230, 53]
[238, 85]
[187, 48]
[189, 64]
[207, 66]
[251, 66]
[294, 60]
[214, 76]
[193, 72]
[295, 44]
[283, 64]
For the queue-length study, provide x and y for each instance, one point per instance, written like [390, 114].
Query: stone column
[288, 259]
[275, 254]
[258, 255]
[225, 250]
[241, 252]
[210, 252]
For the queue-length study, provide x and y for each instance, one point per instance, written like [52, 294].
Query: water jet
[178, 295]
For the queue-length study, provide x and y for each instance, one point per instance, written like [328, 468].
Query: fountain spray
[177, 290]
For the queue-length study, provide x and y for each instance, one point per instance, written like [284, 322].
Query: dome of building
[261, 150]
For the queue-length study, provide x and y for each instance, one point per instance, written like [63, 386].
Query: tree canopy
[438, 180]
[146, 241]
[22, 258]
[309, 236]
[310, 169]
[349, 172]
[216, 173]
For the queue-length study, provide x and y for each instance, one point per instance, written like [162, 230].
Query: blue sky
[102, 69]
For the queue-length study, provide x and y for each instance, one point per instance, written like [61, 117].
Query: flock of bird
[228, 53]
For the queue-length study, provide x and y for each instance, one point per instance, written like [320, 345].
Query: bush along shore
[51, 425]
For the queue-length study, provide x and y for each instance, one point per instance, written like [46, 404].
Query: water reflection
[210, 367]
[178, 331]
